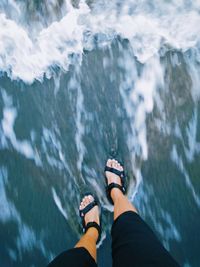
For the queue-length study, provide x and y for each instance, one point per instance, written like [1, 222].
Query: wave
[151, 30]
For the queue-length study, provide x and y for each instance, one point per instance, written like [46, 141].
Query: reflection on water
[107, 89]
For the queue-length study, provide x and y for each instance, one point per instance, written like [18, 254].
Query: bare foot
[113, 178]
[93, 214]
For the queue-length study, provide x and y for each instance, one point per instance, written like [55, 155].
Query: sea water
[84, 80]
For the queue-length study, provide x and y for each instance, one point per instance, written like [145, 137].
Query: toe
[115, 164]
[85, 201]
[91, 198]
[109, 163]
[81, 206]
[112, 163]
[88, 201]
[119, 166]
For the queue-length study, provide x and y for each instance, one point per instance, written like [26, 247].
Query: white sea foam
[7, 209]
[193, 147]
[29, 59]
[138, 102]
[192, 62]
[74, 85]
[7, 125]
[147, 30]
[58, 203]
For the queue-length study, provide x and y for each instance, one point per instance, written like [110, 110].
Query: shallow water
[125, 83]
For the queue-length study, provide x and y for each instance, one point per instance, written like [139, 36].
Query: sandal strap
[121, 174]
[87, 208]
[110, 187]
[95, 225]
[114, 185]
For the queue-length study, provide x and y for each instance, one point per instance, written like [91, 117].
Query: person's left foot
[93, 214]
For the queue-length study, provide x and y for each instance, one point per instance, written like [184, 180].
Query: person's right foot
[90, 216]
[114, 178]
[93, 214]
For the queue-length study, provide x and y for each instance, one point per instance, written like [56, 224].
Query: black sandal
[83, 212]
[109, 187]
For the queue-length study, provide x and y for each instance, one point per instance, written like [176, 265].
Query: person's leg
[75, 257]
[84, 252]
[121, 202]
[133, 242]
[89, 239]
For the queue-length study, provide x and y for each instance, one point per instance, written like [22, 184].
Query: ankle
[116, 194]
[92, 233]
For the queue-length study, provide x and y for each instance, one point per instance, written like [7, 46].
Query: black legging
[133, 245]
